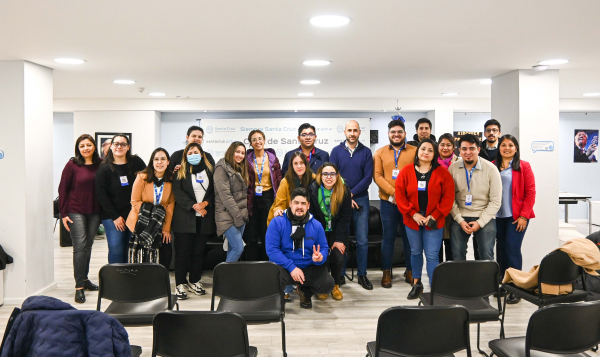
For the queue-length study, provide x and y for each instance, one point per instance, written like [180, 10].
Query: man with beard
[387, 163]
[489, 148]
[307, 136]
[296, 243]
[580, 152]
[478, 197]
[423, 128]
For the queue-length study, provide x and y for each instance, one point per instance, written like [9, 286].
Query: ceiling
[255, 49]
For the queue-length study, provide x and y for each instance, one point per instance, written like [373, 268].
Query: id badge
[258, 190]
[124, 181]
[422, 185]
[395, 173]
[469, 200]
[329, 225]
[200, 178]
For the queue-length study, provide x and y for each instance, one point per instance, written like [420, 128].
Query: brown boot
[409, 279]
[336, 293]
[322, 296]
[386, 281]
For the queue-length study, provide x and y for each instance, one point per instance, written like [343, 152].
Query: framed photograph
[103, 140]
[586, 145]
[459, 134]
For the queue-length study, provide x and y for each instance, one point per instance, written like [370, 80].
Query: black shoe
[305, 299]
[416, 291]
[343, 280]
[79, 296]
[502, 293]
[88, 285]
[513, 299]
[364, 282]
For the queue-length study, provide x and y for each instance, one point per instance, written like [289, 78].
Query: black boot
[305, 298]
[88, 285]
[512, 299]
[79, 296]
[416, 291]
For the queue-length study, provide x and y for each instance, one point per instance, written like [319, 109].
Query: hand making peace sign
[317, 256]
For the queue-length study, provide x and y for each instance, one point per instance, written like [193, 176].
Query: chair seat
[534, 298]
[382, 353]
[253, 351]
[136, 351]
[515, 347]
[136, 313]
[254, 311]
[480, 310]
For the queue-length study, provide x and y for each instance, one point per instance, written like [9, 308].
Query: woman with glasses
[331, 205]
[264, 176]
[114, 182]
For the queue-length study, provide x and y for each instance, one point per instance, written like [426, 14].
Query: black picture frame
[102, 137]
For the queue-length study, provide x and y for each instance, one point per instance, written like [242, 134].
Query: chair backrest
[375, 224]
[557, 268]
[564, 328]
[199, 333]
[465, 279]
[134, 283]
[245, 281]
[408, 330]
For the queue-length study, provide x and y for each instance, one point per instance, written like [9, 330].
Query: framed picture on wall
[103, 140]
[586, 145]
[459, 134]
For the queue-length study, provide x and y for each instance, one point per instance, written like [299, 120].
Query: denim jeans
[485, 236]
[428, 241]
[360, 218]
[235, 243]
[83, 231]
[118, 242]
[508, 246]
[391, 219]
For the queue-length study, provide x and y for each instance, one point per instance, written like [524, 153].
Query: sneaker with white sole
[196, 288]
[180, 292]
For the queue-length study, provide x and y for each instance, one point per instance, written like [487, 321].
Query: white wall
[63, 146]
[470, 121]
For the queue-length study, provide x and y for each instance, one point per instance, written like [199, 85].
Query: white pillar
[526, 103]
[443, 120]
[26, 181]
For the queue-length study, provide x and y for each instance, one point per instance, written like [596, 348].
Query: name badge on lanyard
[396, 171]
[422, 185]
[200, 177]
[469, 198]
[395, 174]
[258, 190]
[158, 193]
[124, 181]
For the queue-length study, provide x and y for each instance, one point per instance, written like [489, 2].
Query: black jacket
[184, 216]
[578, 156]
[415, 141]
[114, 198]
[342, 218]
[489, 155]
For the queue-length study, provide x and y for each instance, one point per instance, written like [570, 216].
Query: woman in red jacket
[425, 195]
[518, 198]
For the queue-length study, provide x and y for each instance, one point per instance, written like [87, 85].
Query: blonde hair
[182, 173]
[337, 191]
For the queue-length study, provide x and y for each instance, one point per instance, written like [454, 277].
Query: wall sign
[542, 146]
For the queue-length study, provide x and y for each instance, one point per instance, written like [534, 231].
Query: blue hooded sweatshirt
[280, 247]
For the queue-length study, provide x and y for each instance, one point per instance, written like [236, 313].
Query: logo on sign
[209, 129]
[210, 151]
[340, 129]
[1, 154]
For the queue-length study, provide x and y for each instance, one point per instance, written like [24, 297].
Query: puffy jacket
[49, 327]
[231, 199]
[341, 220]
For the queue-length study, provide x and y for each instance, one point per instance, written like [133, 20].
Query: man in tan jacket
[388, 161]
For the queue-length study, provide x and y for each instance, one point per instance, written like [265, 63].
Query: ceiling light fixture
[591, 94]
[450, 94]
[310, 81]
[329, 21]
[206, 111]
[553, 62]
[69, 61]
[123, 81]
[485, 81]
[157, 94]
[305, 94]
[316, 63]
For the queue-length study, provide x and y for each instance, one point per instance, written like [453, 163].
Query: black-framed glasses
[491, 131]
[123, 145]
[329, 174]
[308, 135]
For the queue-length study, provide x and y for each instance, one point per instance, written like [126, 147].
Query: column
[26, 215]
[442, 119]
[526, 103]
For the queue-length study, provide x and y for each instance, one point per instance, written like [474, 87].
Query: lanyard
[469, 178]
[396, 156]
[262, 166]
[327, 206]
[309, 154]
[158, 194]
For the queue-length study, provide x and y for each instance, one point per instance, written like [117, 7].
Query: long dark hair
[338, 190]
[240, 168]
[516, 162]
[436, 153]
[182, 173]
[149, 170]
[110, 159]
[290, 175]
[78, 159]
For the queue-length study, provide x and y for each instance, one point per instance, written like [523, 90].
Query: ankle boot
[305, 298]
[416, 291]
[79, 296]
[408, 278]
[386, 281]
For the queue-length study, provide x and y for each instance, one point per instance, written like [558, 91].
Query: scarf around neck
[298, 231]
[446, 162]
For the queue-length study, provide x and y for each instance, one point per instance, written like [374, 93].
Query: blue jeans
[360, 217]
[485, 236]
[428, 241]
[391, 219]
[118, 242]
[235, 243]
[508, 246]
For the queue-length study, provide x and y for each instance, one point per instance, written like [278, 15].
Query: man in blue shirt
[355, 162]
[307, 136]
[296, 243]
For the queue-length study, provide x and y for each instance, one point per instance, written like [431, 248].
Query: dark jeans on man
[83, 231]
[189, 255]
[509, 243]
[256, 229]
[316, 280]
[391, 219]
[485, 236]
[360, 219]
[335, 260]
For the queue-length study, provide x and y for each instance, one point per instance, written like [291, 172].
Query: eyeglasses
[308, 135]
[399, 132]
[255, 140]
[471, 148]
[491, 131]
[329, 174]
[123, 145]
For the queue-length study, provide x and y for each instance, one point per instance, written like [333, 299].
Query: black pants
[447, 247]
[335, 260]
[83, 231]
[256, 229]
[165, 253]
[316, 280]
[189, 255]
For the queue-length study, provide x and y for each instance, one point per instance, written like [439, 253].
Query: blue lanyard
[309, 154]
[262, 166]
[327, 206]
[396, 156]
[469, 178]
[158, 194]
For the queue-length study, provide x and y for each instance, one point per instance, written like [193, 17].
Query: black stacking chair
[138, 292]
[560, 329]
[200, 333]
[251, 289]
[374, 237]
[420, 331]
[468, 283]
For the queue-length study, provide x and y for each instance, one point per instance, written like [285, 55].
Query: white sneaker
[196, 288]
[180, 292]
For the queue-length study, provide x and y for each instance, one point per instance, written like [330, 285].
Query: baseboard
[19, 300]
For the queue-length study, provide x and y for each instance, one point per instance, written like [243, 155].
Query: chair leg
[503, 314]
[283, 338]
[478, 337]
[355, 263]
[177, 306]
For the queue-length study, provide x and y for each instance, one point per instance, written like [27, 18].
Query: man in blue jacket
[355, 162]
[307, 136]
[296, 242]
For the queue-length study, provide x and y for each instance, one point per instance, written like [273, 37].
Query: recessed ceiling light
[329, 21]
[157, 94]
[305, 94]
[485, 81]
[123, 81]
[310, 81]
[553, 62]
[591, 94]
[385, 110]
[316, 63]
[69, 61]
[450, 94]
[296, 111]
[206, 111]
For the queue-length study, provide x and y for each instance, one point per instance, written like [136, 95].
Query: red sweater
[440, 195]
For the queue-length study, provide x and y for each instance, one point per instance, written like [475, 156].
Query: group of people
[298, 214]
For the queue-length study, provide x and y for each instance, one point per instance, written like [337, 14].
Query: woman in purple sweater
[79, 209]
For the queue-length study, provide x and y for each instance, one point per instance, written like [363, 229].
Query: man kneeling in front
[296, 243]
